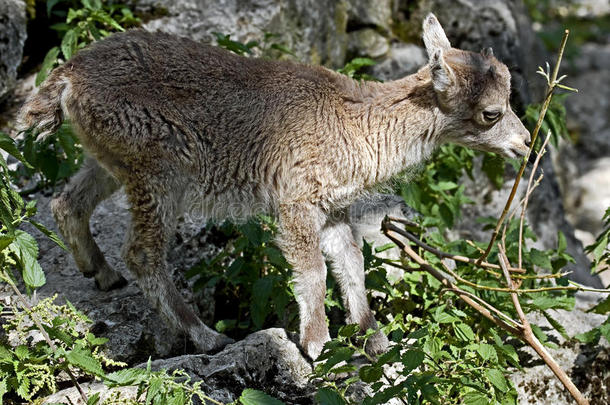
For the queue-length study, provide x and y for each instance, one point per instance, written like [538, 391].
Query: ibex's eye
[492, 115]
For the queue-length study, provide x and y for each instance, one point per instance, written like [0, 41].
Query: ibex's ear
[442, 74]
[434, 36]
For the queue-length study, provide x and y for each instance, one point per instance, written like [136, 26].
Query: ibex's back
[162, 104]
[172, 119]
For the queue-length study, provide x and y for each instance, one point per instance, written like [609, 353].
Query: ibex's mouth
[517, 151]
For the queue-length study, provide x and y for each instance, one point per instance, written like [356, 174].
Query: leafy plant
[54, 159]
[251, 271]
[85, 21]
[600, 249]
[353, 69]
[268, 47]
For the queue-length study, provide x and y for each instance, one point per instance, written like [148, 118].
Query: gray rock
[401, 60]
[266, 360]
[588, 196]
[12, 38]
[367, 42]
[377, 13]
[315, 31]
[589, 109]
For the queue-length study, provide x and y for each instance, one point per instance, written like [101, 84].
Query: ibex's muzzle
[519, 137]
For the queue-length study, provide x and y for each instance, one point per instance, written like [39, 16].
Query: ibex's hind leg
[347, 266]
[72, 210]
[153, 222]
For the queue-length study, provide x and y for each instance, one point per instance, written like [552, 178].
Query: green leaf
[8, 144]
[22, 352]
[493, 167]
[336, 356]
[225, 324]
[154, 388]
[411, 359]
[93, 399]
[50, 234]
[487, 352]
[24, 246]
[418, 334]
[50, 5]
[600, 247]
[254, 397]
[128, 376]
[226, 42]
[47, 65]
[103, 17]
[444, 317]
[68, 43]
[497, 379]
[590, 337]
[259, 306]
[562, 244]
[327, 396]
[3, 389]
[463, 332]
[370, 374]
[83, 359]
[475, 398]
[443, 186]
[540, 259]
[349, 330]
[556, 325]
[603, 307]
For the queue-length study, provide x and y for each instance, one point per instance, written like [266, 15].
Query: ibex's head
[473, 91]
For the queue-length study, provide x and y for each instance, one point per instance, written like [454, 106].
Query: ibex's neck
[399, 123]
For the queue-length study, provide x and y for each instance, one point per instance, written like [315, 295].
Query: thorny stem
[44, 333]
[549, 95]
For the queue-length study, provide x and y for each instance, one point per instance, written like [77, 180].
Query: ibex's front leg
[348, 269]
[300, 225]
[154, 210]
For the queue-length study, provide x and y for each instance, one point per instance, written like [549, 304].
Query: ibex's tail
[43, 112]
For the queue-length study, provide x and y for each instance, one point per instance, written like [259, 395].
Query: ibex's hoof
[221, 342]
[210, 341]
[377, 344]
[109, 280]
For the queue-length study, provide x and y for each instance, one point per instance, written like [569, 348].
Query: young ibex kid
[170, 119]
